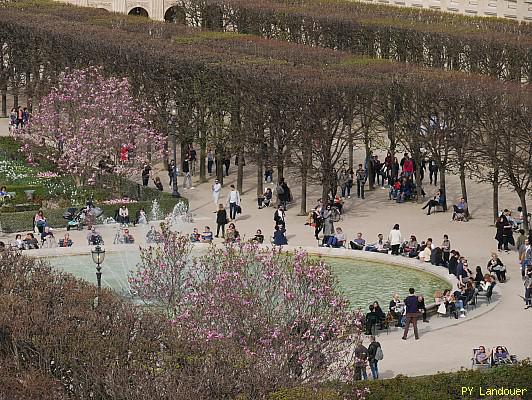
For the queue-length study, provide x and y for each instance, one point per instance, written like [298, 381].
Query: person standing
[233, 199]
[210, 161]
[525, 256]
[146, 174]
[374, 356]
[279, 217]
[446, 248]
[395, 238]
[221, 220]
[361, 180]
[361, 356]
[433, 172]
[171, 166]
[344, 181]
[192, 158]
[528, 287]
[216, 190]
[412, 313]
[504, 231]
[187, 178]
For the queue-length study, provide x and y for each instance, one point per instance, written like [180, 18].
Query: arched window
[176, 15]
[139, 12]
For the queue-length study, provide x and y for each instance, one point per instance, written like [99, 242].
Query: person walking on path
[374, 356]
[361, 180]
[221, 220]
[528, 287]
[395, 238]
[216, 190]
[412, 313]
[233, 199]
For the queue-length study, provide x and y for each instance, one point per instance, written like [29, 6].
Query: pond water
[362, 281]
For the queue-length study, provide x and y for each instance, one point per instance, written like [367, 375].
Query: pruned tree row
[280, 103]
[495, 47]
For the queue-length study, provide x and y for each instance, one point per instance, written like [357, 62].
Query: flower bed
[23, 221]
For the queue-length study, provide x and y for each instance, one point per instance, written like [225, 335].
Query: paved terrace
[445, 344]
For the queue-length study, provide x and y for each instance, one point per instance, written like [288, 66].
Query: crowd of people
[18, 118]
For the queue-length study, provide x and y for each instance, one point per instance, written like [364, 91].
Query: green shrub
[23, 221]
[438, 386]
[10, 149]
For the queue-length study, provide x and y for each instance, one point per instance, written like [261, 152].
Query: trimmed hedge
[439, 386]
[23, 221]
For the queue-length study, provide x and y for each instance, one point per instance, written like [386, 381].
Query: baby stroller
[76, 219]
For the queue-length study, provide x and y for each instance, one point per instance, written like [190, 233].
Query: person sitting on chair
[206, 236]
[337, 240]
[195, 236]
[30, 242]
[66, 241]
[481, 356]
[411, 247]
[128, 238]
[265, 200]
[40, 221]
[437, 200]
[378, 247]
[94, 238]
[158, 184]
[123, 215]
[18, 243]
[232, 235]
[358, 243]
[460, 210]
[140, 217]
[47, 236]
[259, 237]
[501, 356]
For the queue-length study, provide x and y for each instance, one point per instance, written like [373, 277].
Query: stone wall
[511, 9]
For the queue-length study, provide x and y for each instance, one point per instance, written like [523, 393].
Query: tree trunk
[416, 157]
[350, 148]
[304, 180]
[280, 163]
[303, 208]
[260, 172]
[522, 197]
[15, 100]
[4, 103]
[28, 91]
[463, 181]
[202, 159]
[369, 164]
[240, 173]
[219, 166]
[495, 184]
[443, 188]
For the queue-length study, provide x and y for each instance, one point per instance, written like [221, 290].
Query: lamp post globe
[172, 108]
[98, 255]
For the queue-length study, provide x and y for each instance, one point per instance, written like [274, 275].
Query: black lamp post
[173, 129]
[98, 255]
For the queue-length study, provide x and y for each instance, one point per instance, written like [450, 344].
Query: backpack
[378, 354]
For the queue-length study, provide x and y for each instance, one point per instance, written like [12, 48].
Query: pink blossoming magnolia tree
[281, 311]
[86, 120]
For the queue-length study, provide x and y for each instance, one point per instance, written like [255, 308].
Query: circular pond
[361, 281]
